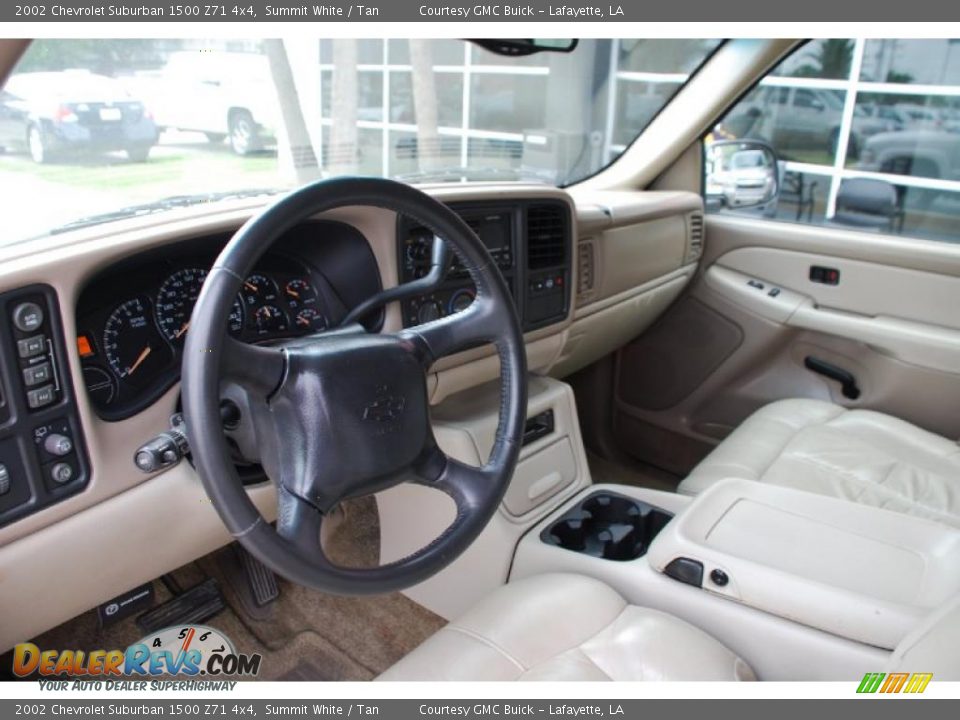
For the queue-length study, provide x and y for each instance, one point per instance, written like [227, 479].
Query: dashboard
[133, 317]
[67, 446]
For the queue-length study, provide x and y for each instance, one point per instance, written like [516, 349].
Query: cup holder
[609, 526]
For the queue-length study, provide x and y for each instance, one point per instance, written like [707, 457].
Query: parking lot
[182, 163]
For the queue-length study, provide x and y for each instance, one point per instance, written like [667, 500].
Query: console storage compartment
[856, 571]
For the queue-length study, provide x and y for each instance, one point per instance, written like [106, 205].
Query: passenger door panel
[730, 346]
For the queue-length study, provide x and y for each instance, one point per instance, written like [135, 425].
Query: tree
[429, 156]
[344, 146]
[831, 59]
[304, 159]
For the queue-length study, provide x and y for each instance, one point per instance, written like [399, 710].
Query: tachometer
[132, 345]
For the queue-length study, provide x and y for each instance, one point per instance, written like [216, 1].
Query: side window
[867, 133]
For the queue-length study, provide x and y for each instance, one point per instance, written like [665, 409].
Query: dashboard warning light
[84, 346]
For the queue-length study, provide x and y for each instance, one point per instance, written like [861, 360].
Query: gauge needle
[249, 286]
[143, 356]
[181, 331]
[293, 293]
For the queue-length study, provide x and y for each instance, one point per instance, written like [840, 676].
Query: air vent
[695, 230]
[585, 267]
[546, 236]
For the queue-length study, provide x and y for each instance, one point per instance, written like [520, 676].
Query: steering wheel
[344, 414]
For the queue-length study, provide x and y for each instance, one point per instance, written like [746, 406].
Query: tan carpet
[305, 634]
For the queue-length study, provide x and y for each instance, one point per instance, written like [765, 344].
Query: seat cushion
[567, 627]
[858, 455]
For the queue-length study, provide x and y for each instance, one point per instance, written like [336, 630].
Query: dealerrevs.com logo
[191, 650]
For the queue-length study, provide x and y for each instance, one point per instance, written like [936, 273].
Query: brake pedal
[261, 581]
[199, 603]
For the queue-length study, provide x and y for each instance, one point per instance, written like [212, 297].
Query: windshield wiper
[463, 173]
[167, 203]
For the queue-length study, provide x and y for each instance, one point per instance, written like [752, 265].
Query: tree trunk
[344, 147]
[295, 136]
[429, 155]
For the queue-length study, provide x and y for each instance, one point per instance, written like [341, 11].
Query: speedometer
[176, 299]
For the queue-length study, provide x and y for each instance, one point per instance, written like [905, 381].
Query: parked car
[793, 118]
[222, 94]
[73, 112]
[923, 153]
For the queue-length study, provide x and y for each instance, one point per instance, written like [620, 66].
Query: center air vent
[546, 236]
[695, 230]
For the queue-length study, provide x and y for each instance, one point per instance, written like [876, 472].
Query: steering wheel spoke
[477, 325]
[299, 522]
[470, 487]
[255, 367]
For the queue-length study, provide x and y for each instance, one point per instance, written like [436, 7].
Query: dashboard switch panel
[41, 442]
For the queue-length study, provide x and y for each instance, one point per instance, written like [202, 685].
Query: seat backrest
[933, 646]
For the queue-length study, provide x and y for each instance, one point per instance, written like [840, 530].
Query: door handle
[848, 383]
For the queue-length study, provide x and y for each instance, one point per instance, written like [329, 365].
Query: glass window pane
[370, 52]
[923, 62]
[445, 52]
[663, 56]
[637, 104]
[448, 88]
[802, 124]
[919, 137]
[507, 103]
[829, 58]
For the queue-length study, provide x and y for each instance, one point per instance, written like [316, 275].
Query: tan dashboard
[632, 255]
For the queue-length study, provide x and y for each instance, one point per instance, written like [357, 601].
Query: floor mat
[305, 634]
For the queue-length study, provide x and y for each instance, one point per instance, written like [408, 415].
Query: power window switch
[31, 346]
[41, 396]
[4, 480]
[774, 292]
[755, 284]
[37, 374]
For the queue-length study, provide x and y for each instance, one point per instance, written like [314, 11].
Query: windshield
[98, 130]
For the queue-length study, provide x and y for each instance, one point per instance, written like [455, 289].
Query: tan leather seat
[860, 455]
[567, 627]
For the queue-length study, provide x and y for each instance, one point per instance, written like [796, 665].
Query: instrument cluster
[131, 349]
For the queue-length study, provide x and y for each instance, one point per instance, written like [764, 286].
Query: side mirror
[740, 174]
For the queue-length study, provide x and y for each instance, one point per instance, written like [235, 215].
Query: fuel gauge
[310, 320]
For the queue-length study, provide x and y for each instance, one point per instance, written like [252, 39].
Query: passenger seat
[859, 455]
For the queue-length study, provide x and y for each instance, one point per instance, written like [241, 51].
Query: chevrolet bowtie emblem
[386, 408]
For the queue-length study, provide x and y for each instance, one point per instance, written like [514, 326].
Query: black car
[70, 113]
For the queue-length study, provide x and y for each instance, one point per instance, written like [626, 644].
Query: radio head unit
[532, 255]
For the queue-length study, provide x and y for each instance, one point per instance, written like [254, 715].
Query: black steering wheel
[345, 413]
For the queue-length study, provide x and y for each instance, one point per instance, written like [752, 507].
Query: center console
[531, 244]
[802, 586]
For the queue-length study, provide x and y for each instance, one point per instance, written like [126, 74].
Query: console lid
[859, 572]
